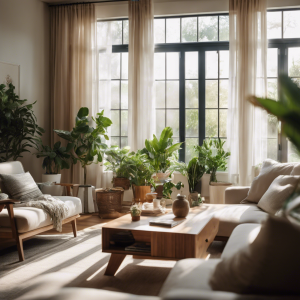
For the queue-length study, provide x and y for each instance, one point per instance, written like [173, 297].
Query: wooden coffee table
[189, 239]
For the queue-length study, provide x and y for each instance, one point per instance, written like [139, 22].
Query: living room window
[192, 76]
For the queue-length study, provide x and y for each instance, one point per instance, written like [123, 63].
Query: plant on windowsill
[117, 162]
[55, 160]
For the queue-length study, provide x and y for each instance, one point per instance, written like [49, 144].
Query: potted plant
[55, 159]
[117, 162]
[135, 211]
[168, 189]
[193, 171]
[159, 151]
[141, 172]
[18, 125]
[212, 153]
[198, 202]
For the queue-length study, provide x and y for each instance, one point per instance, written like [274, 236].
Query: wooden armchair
[21, 223]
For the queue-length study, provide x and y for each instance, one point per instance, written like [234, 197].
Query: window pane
[272, 127]
[294, 62]
[191, 94]
[191, 117]
[297, 81]
[189, 30]
[124, 94]
[223, 93]
[125, 65]
[189, 148]
[173, 120]
[291, 24]
[293, 155]
[211, 123]
[125, 32]
[272, 89]
[272, 62]
[159, 65]
[211, 93]
[208, 29]
[115, 65]
[224, 64]
[274, 24]
[172, 65]
[115, 118]
[223, 122]
[172, 94]
[159, 31]
[173, 30]
[160, 94]
[211, 64]
[115, 141]
[272, 149]
[115, 94]
[224, 28]
[124, 122]
[124, 142]
[160, 121]
[116, 31]
[191, 65]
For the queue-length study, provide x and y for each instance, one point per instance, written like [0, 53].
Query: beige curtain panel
[247, 125]
[72, 70]
[141, 109]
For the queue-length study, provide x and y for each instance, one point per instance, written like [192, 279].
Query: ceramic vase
[181, 206]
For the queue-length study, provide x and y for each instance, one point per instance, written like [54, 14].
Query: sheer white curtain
[247, 125]
[141, 108]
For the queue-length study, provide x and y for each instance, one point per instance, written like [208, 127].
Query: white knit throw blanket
[54, 207]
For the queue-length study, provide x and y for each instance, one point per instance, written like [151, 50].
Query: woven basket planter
[121, 182]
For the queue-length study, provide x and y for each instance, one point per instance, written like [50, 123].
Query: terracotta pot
[181, 207]
[135, 218]
[121, 182]
[139, 193]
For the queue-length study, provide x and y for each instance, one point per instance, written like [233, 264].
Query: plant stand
[85, 193]
[217, 192]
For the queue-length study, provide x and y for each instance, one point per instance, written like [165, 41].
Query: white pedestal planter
[217, 192]
[85, 193]
[205, 185]
[51, 178]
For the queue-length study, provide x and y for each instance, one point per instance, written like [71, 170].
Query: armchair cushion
[21, 186]
[235, 194]
[30, 218]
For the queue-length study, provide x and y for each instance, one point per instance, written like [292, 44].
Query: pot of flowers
[135, 211]
[194, 170]
[55, 159]
[141, 179]
[168, 188]
[117, 162]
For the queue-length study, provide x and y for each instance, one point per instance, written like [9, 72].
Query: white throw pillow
[280, 189]
[269, 171]
[269, 265]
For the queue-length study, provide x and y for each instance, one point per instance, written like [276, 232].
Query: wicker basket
[121, 182]
[109, 202]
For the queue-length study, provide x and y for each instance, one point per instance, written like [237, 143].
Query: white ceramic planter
[85, 193]
[217, 192]
[51, 178]
[205, 185]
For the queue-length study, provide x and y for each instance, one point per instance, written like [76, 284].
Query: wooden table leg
[114, 264]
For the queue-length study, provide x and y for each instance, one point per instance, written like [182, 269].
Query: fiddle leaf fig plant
[159, 150]
[18, 125]
[88, 145]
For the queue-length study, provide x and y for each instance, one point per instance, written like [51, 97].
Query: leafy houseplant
[213, 161]
[159, 151]
[167, 188]
[87, 139]
[118, 162]
[18, 128]
[56, 158]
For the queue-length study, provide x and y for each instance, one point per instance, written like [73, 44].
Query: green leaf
[83, 112]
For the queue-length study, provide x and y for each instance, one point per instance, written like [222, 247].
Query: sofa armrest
[235, 194]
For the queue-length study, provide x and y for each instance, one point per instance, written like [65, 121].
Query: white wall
[24, 40]
[180, 7]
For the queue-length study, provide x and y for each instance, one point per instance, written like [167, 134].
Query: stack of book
[139, 247]
[122, 239]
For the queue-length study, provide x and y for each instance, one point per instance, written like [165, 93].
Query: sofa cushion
[30, 218]
[267, 266]
[280, 189]
[269, 171]
[20, 186]
[190, 273]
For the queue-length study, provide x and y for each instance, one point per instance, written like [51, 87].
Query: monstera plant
[18, 125]
[88, 145]
[160, 150]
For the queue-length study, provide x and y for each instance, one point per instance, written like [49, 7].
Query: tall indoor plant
[18, 125]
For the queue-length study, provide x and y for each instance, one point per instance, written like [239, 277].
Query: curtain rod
[86, 2]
